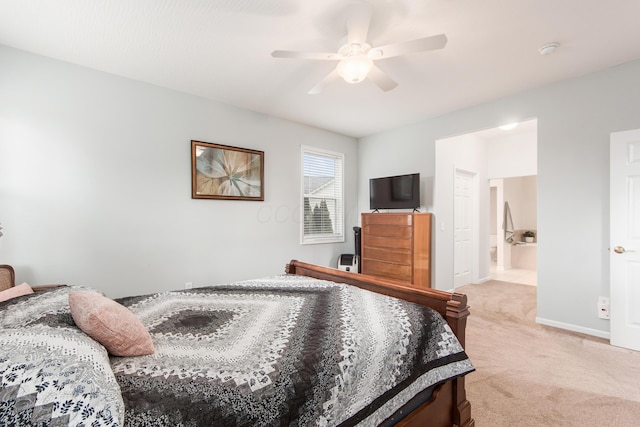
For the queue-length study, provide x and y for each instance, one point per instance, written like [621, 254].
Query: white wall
[95, 183]
[575, 119]
[493, 210]
[503, 248]
[512, 155]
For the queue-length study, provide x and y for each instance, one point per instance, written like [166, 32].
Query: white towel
[507, 224]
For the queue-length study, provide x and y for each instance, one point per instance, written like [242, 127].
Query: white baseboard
[478, 282]
[573, 328]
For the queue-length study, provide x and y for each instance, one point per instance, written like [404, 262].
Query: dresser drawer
[385, 230]
[386, 269]
[387, 219]
[369, 241]
[387, 255]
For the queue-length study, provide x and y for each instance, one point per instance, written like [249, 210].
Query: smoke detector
[548, 48]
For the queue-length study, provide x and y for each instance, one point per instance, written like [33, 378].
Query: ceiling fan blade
[331, 77]
[381, 79]
[306, 55]
[402, 48]
[359, 18]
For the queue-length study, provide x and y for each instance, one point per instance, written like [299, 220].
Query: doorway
[514, 261]
[492, 154]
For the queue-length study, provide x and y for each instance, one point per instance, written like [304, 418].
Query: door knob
[619, 249]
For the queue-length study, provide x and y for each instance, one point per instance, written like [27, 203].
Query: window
[322, 187]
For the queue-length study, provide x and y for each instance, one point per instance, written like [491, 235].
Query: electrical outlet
[188, 285]
[603, 307]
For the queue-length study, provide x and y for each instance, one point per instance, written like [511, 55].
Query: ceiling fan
[356, 57]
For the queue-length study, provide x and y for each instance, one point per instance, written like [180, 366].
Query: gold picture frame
[225, 172]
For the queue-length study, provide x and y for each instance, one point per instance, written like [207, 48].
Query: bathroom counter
[524, 255]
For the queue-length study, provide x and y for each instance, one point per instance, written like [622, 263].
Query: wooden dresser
[397, 246]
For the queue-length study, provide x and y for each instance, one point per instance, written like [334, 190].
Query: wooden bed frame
[448, 407]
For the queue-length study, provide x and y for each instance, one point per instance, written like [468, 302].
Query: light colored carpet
[534, 375]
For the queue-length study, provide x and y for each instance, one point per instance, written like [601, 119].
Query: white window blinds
[322, 189]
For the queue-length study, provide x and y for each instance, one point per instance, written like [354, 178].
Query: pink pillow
[111, 324]
[16, 291]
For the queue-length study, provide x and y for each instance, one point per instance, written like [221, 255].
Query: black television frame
[383, 196]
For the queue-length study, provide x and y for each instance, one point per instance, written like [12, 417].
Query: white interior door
[463, 228]
[625, 239]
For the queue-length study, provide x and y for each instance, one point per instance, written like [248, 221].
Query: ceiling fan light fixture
[375, 53]
[355, 69]
[356, 57]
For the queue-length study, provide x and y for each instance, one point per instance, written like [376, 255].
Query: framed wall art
[224, 172]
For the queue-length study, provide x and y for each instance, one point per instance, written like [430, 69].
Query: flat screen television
[395, 192]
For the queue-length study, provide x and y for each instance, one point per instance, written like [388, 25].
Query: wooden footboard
[449, 405]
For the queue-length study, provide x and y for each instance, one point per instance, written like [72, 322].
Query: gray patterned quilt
[282, 351]
[51, 373]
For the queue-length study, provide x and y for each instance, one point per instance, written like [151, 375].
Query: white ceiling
[220, 49]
